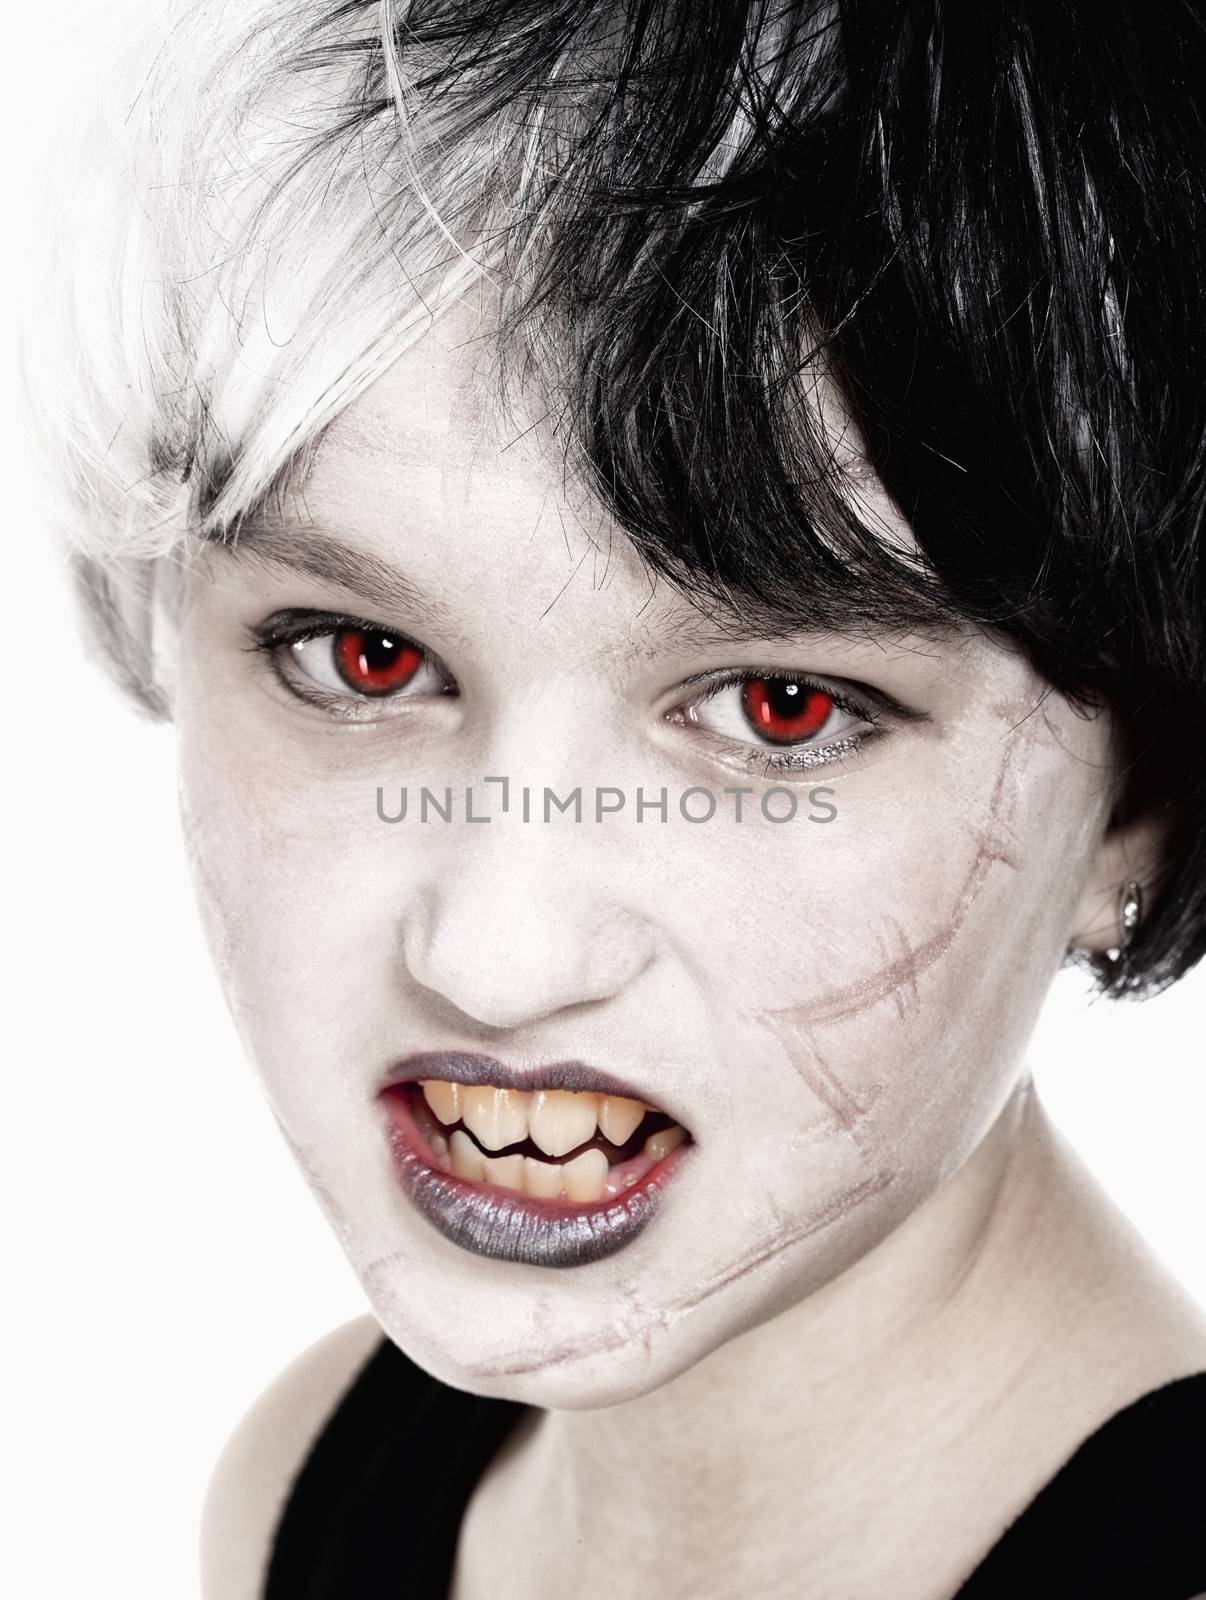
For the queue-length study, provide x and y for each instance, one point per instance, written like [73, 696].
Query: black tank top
[375, 1509]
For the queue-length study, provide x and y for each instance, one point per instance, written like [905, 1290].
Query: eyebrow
[321, 555]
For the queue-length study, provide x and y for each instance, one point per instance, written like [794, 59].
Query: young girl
[670, 532]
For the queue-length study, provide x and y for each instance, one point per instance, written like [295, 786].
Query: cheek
[289, 888]
[879, 985]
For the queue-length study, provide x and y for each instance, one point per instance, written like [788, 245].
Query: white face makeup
[836, 1011]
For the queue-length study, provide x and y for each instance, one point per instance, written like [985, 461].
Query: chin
[559, 1347]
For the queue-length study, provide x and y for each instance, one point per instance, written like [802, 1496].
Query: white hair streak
[238, 250]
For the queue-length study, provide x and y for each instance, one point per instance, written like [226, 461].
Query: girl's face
[834, 1009]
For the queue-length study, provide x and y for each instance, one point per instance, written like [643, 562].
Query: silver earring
[1130, 913]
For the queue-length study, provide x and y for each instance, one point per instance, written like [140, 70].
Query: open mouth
[552, 1144]
[551, 1177]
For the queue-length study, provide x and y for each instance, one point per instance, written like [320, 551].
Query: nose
[509, 932]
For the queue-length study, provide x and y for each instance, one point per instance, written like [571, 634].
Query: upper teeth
[556, 1120]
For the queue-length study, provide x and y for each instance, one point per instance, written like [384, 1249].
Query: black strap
[1124, 1519]
[377, 1505]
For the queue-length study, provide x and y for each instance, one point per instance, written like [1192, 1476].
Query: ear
[1130, 851]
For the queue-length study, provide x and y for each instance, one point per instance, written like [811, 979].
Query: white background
[163, 1259]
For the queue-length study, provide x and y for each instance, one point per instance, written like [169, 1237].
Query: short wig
[979, 225]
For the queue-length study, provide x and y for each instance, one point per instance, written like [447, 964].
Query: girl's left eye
[779, 712]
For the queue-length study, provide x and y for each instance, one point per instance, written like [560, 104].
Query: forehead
[440, 406]
[437, 405]
[431, 469]
[426, 475]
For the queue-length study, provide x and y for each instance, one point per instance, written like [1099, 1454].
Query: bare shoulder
[251, 1480]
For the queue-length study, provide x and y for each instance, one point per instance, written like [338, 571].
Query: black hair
[982, 224]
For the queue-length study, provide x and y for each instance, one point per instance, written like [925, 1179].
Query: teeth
[542, 1178]
[619, 1117]
[557, 1121]
[497, 1117]
[584, 1177]
[505, 1171]
[444, 1099]
[467, 1160]
[561, 1120]
[660, 1144]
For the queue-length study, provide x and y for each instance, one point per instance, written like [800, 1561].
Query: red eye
[784, 709]
[374, 663]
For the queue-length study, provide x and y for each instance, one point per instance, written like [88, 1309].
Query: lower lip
[510, 1226]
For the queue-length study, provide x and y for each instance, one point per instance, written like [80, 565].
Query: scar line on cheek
[833, 1212]
[900, 976]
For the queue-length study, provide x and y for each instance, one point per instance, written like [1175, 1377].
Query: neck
[943, 1372]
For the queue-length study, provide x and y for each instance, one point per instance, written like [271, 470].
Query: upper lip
[469, 1067]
